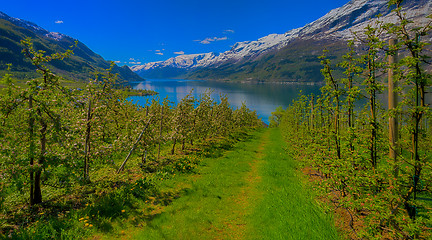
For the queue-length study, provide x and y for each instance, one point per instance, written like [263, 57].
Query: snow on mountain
[238, 52]
[33, 27]
[339, 23]
[55, 35]
[182, 61]
[252, 49]
[354, 12]
[355, 16]
[23, 23]
[79, 67]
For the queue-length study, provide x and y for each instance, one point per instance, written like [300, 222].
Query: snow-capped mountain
[33, 27]
[182, 61]
[355, 16]
[239, 51]
[337, 25]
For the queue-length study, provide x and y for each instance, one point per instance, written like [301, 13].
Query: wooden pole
[392, 104]
[133, 147]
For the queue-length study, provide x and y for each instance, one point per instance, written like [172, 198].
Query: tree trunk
[372, 120]
[37, 186]
[336, 125]
[144, 158]
[31, 149]
[312, 113]
[415, 138]
[87, 145]
[350, 105]
[173, 147]
[392, 104]
[194, 130]
[183, 144]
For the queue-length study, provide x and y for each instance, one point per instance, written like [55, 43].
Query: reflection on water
[262, 97]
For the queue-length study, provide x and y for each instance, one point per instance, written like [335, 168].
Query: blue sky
[134, 31]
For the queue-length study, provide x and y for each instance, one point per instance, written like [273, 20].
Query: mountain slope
[78, 67]
[292, 56]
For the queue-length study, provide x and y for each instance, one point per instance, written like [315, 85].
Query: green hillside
[78, 67]
[297, 62]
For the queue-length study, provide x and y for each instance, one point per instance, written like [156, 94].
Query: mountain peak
[23, 23]
[79, 67]
[339, 24]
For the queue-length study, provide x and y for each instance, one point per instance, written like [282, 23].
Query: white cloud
[210, 40]
[135, 63]
[229, 31]
[59, 22]
[179, 53]
[159, 52]
[117, 62]
[132, 59]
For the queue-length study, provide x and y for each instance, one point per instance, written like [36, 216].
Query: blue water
[264, 98]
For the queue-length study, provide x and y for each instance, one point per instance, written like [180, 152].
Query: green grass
[110, 203]
[209, 207]
[252, 192]
[288, 209]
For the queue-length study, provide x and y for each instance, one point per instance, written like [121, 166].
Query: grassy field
[249, 190]
[253, 191]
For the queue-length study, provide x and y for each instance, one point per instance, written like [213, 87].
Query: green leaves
[56, 136]
[347, 147]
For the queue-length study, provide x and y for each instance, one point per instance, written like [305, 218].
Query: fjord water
[264, 98]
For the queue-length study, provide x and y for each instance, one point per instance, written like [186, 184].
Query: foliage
[347, 145]
[59, 141]
[276, 117]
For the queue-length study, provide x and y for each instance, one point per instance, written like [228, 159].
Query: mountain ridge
[80, 66]
[337, 26]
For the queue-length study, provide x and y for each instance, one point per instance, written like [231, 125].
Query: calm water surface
[262, 97]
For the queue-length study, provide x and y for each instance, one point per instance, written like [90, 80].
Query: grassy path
[252, 192]
[287, 209]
